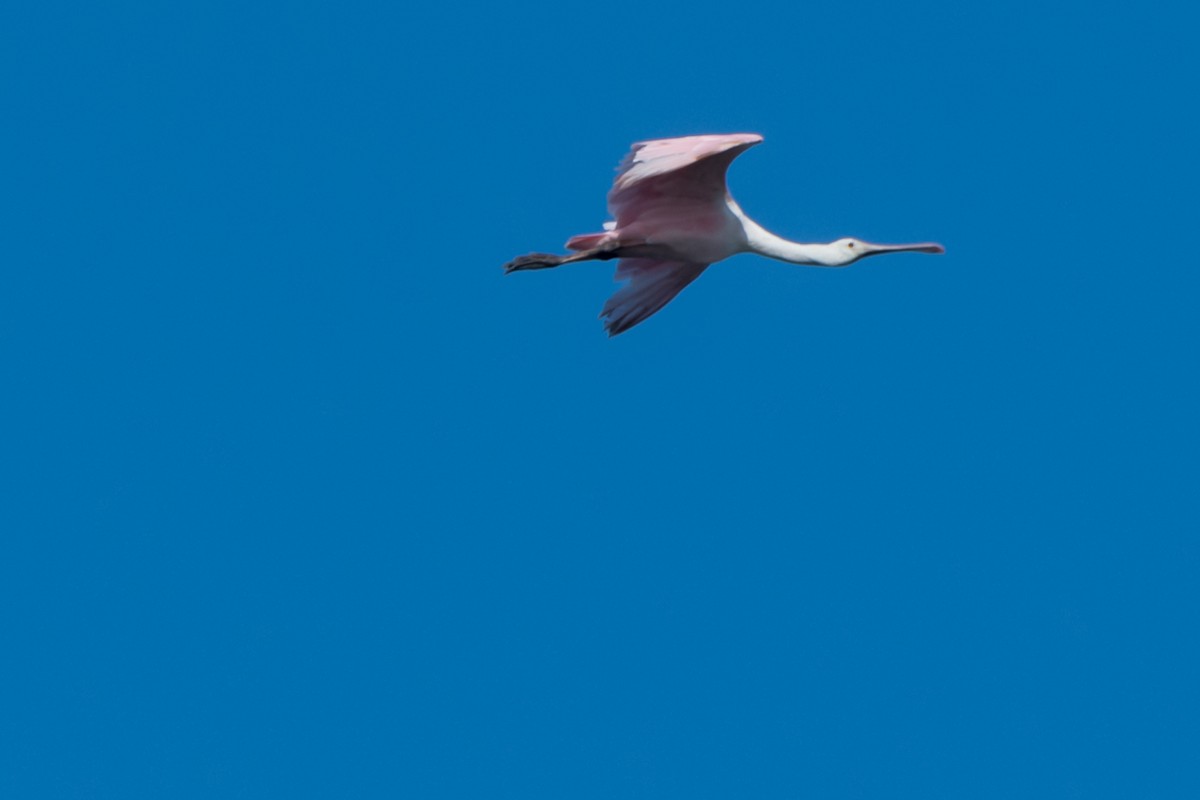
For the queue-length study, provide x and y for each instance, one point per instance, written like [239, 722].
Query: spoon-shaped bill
[919, 247]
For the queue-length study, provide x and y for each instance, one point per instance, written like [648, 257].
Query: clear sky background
[302, 497]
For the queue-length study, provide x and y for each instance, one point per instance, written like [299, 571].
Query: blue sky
[303, 497]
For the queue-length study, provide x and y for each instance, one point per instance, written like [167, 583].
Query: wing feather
[652, 283]
[689, 170]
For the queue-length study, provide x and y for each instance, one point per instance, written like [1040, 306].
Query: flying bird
[673, 216]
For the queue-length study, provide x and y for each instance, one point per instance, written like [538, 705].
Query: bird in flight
[673, 216]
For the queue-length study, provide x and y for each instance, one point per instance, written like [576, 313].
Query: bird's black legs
[547, 260]
[534, 261]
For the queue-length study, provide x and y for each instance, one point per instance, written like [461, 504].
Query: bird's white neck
[765, 243]
[760, 240]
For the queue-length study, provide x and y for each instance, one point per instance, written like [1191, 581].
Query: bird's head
[848, 250]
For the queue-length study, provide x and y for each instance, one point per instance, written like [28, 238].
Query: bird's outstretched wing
[673, 175]
[664, 184]
[652, 283]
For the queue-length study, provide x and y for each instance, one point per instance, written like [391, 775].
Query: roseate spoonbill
[673, 217]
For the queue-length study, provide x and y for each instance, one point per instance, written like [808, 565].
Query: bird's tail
[590, 241]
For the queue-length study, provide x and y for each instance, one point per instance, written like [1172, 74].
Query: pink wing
[663, 184]
[672, 178]
[652, 284]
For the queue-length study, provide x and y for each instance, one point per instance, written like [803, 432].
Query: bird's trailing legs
[547, 260]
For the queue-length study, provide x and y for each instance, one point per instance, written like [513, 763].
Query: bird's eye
[849, 244]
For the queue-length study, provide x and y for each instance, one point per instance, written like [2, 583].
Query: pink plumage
[673, 217]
